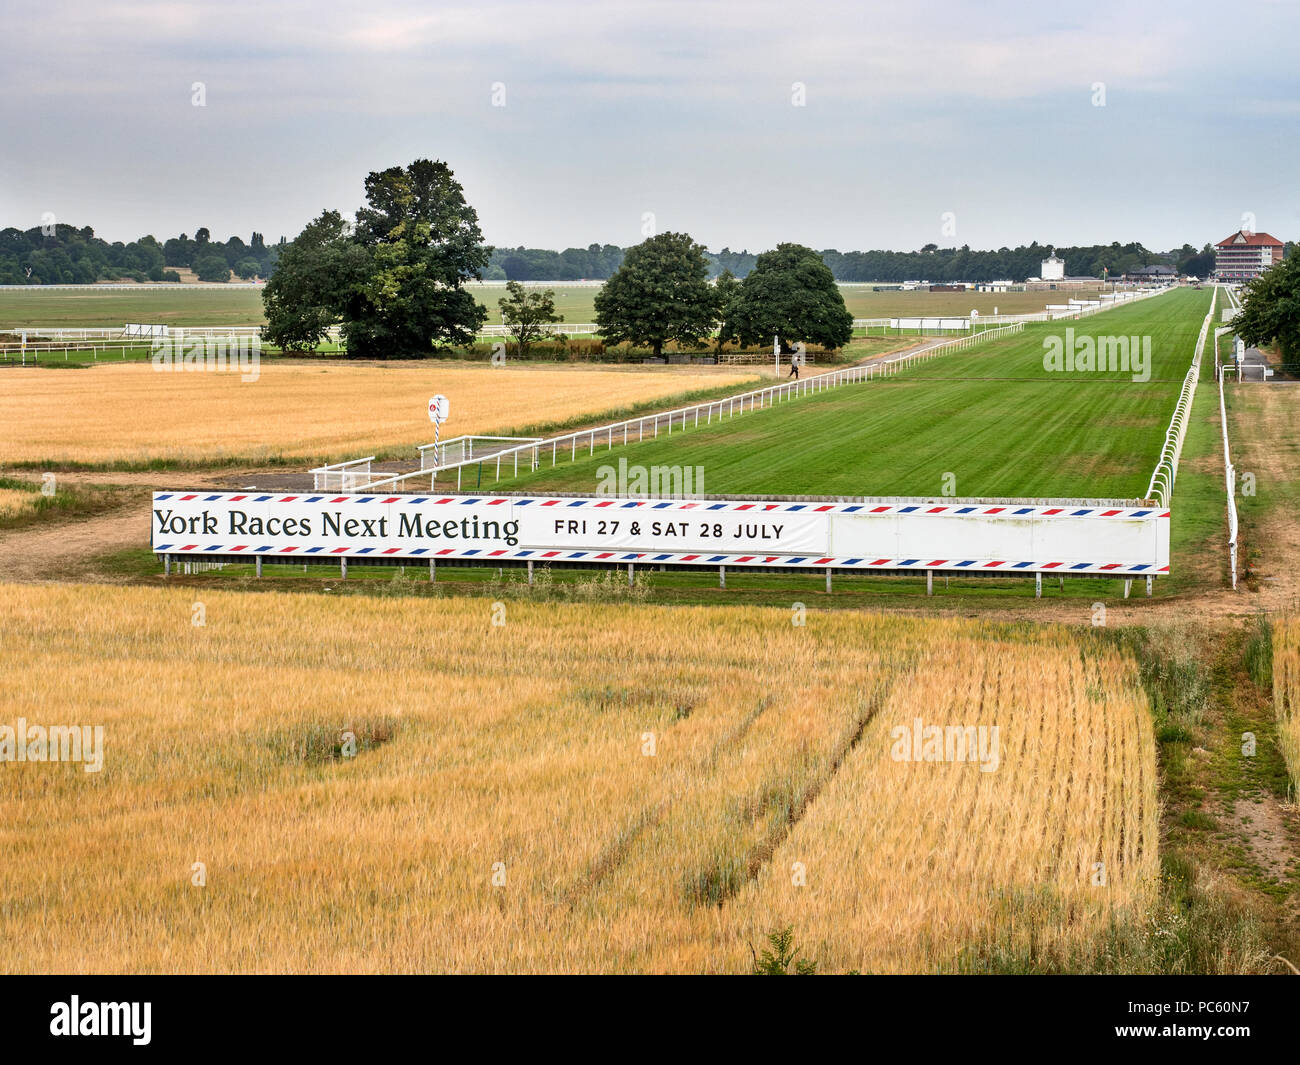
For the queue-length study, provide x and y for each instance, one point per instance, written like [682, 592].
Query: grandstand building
[1053, 268]
[1245, 255]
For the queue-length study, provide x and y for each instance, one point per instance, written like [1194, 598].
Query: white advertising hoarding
[950, 535]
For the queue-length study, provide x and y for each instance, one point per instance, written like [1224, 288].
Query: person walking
[794, 366]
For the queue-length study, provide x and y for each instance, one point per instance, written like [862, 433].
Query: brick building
[1244, 255]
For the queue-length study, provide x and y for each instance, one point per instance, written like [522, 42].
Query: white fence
[137, 332]
[343, 476]
[33, 350]
[460, 449]
[1050, 313]
[1161, 487]
[634, 430]
[563, 328]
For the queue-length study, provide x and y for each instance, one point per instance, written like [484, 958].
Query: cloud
[912, 109]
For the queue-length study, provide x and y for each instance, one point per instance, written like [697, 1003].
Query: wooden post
[343, 566]
[1038, 585]
[722, 576]
[530, 572]
[929, 582]
[433, 570]
[167, 565]
[629, 575]
[1150, 583]
[828, 580]
[1128, 587]
[259, 565]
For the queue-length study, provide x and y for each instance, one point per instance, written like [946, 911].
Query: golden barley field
[1286, 691]
[133, 413]
[15, 501]
[585, 788]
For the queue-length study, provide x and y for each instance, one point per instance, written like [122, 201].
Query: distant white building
[1053, 269]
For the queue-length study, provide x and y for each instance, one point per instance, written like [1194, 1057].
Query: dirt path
[70, 550]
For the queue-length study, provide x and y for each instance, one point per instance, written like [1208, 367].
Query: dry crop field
[515, 806]
[135, 414]
[1286, 691]
[14, 501]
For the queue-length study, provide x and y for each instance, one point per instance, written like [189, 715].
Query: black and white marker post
[439, 409]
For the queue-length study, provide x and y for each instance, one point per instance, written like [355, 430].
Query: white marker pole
[776, 356]
[439, 408]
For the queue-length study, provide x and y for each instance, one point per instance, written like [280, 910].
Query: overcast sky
[911, 110]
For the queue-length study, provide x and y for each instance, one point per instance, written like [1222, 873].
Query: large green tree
[1271, 310]
[727, 300]
[660, 293]
[396, 280]
[791, 294]
[425, 243]
[528, 316]
[312, 282]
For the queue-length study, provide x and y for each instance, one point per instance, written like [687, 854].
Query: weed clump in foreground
[780, 955]
[318, 744]
[600, 586]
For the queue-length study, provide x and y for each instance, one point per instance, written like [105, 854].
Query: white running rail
[342, 476]
[1161, 487]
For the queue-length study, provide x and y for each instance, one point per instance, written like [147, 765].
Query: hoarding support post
[259, 565]
[1128, 587]
[1038, 585]
[929, 582]
[1150, 583]
[722, 576]
[433, 570]
[343, 567]
[828, 580]
[167, 565]
[629, 575]
[530, 573]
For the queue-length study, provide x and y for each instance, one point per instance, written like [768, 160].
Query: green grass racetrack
[991, 417]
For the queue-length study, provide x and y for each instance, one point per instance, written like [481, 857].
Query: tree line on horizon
[60, 254]
[931, 263]
[70, 255]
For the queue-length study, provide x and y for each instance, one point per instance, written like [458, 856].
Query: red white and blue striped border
[1005, 510]
[672, 558]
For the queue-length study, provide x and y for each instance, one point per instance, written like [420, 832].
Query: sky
[844, 125]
